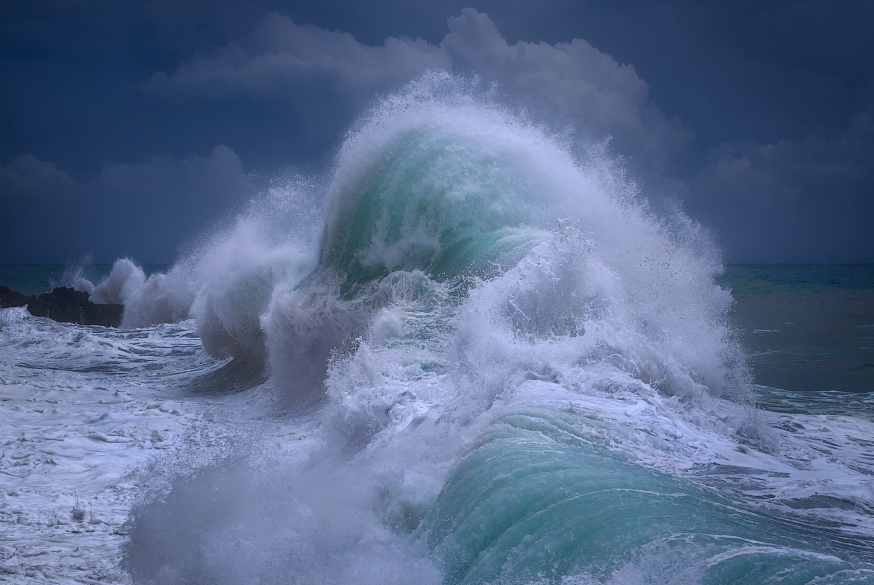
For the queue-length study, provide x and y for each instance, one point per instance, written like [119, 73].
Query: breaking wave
[502, 366]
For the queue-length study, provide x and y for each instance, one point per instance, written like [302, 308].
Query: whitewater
[473, 354]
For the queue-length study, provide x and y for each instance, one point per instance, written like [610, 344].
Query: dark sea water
[809, 333]
[482, 360]
[807, 327]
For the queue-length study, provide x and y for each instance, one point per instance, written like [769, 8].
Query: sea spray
[496, 364]
[225, 282]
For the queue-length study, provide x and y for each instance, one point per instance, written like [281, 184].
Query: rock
[66, 305]
[11, 298]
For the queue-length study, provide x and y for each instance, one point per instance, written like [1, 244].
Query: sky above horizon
[128, 129]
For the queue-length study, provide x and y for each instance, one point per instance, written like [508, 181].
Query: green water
[428, 206]
[536, 500]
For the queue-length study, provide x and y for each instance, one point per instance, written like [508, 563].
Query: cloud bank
[28, 177]
[147, 208]
[284, 92]
[748, 191]
[798, 199]
[282, 60]
[281, 56]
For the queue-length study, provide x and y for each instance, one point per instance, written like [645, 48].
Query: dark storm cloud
[756, 116]
[794, 200]
[148, 209]
[27, 177]
[281, 61]
[281, 58]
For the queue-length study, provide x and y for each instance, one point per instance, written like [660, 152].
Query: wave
[436, 181]
[508, 367]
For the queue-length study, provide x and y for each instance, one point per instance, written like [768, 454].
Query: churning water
[482, 360]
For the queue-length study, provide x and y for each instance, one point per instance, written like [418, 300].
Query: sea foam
[498, 364]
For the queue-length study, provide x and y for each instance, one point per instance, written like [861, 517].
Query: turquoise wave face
[503, 368]
[434, 200]
[534, 502]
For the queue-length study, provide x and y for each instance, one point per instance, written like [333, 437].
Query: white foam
[611, 319]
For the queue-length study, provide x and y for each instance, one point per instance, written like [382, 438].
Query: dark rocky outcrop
[12, 298]
[64, 304]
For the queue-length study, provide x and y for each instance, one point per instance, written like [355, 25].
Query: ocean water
[472, 354]
[807, 327]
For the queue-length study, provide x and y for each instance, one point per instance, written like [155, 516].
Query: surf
[494, 358]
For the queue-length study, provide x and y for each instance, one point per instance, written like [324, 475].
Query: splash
[496, 361]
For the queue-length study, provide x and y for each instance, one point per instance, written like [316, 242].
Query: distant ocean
[482, 360]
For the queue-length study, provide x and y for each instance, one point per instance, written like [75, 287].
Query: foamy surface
[483, 359]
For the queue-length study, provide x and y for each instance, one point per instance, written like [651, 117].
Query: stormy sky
[128, 128]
